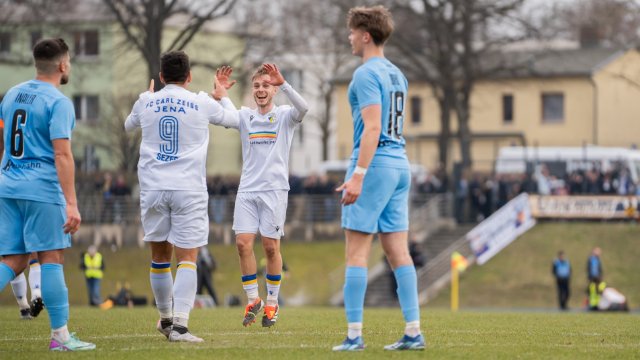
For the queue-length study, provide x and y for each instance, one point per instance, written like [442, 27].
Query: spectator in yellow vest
[93, 267]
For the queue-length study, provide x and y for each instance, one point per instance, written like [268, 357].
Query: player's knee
[271, 251]
[244, 247]
[17, 263]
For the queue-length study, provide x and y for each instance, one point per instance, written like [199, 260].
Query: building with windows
[569, 97]
[108, 74]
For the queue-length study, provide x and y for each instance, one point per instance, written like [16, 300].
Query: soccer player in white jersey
[261, 203]
[19, 287]
[173, 193]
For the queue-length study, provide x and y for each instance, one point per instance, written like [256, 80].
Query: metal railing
[309, 217]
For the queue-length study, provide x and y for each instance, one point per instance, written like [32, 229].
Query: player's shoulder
[247, 111]
[282, 108]
[368, 70]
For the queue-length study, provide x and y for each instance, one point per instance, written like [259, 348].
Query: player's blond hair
[259, 72]
[375, 20]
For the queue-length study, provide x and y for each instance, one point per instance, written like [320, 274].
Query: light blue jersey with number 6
[35, 113]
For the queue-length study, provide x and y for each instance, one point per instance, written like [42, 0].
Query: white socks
[61, 334]
[354, 330]
[412, 328]
[19, 286]
[184, 290]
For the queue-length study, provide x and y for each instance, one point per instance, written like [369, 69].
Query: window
[87, 107]
[35, 37]
[507, 109]
[552, 107]
[86, 43]
[416, 109]
[5, 42]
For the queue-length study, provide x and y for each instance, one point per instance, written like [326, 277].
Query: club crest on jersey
[272, 118]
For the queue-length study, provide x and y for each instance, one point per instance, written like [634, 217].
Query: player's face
[356, 39]
[263, 92]
[66, 62]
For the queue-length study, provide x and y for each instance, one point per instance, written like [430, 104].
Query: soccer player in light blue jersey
[376, 191]
[38, 206]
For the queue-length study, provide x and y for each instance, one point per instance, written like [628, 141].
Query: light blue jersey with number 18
[35, 113]
[379, 82]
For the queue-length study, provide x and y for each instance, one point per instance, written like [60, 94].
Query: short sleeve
[367, 88]
[63, 119]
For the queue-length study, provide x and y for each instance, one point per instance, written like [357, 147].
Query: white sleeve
[227, 103]
[219, 115]
[300, 106]
[133, 120]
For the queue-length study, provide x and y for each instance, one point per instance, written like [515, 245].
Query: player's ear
[62, 65]
[366, 37]
[188, 78]
[162, 78]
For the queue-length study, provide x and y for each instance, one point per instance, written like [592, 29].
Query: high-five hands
[222, 82]
[274, 73]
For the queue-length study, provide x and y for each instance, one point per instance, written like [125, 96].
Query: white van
[514, 159]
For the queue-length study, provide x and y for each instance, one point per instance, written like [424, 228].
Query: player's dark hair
[375, 20]
[47, 54]
[175, 67]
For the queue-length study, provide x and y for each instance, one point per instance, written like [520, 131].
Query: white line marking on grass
[151, 335]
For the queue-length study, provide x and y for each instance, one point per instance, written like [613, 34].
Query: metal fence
[309, 217]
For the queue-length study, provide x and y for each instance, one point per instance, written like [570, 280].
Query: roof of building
[577, 62]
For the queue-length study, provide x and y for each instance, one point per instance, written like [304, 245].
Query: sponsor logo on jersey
[26, 166]
[262, 137]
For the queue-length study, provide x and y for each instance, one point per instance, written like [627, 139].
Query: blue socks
[407, 292]
[355, 287]
[6, 275]
[55, 294]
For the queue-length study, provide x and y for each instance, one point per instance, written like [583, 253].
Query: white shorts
[179, 217]
[263, 211]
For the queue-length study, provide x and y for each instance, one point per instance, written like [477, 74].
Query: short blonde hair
[259, 72]
[375, 20]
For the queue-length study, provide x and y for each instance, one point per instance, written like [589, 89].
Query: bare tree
[448, 42]
[143, 23]
[317, 35]
[594, 22]
[313, 39]
[110, 135]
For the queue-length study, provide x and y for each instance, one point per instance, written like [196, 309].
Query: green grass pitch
[309, 333]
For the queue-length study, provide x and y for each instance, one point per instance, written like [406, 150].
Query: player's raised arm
[300, 106]
[222, 84]
[133, 120]
[219, 115]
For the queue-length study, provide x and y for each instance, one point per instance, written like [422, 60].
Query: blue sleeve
[367, 88]
[63, 120]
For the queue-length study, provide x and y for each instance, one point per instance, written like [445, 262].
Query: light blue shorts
[383, 205]
[29, 226]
